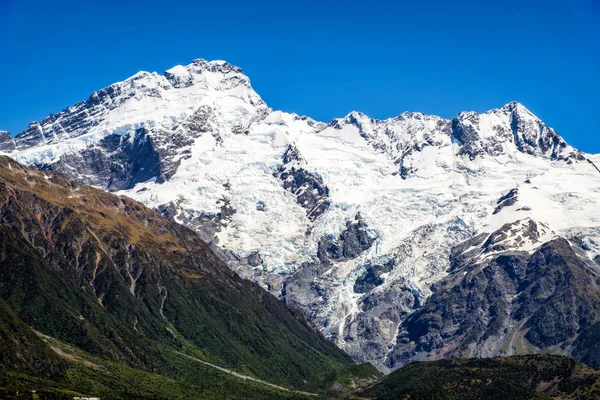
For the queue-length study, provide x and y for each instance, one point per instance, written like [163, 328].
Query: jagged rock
[518, 126]
[372, 277]
[116, 163]
[7, 144]
[205, 224]
[513, 303]
[303, 289]
[507, 200]
[473, 144]
[354, 240]
[254, 259]
[309, 188]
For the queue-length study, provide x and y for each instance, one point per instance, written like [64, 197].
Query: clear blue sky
[318, 58]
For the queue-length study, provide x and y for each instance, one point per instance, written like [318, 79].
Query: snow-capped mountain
[116, 132]
[356, 222]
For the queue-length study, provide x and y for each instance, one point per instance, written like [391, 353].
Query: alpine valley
[411, 238]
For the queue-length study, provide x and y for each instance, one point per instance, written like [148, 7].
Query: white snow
[149, 100]
[179, 71]
[447, 200]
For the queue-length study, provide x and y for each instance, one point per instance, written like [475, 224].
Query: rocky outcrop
[513, 303]
[7, 144]
[507, 200]
[309, 188]
[473, 143]
[492, 133]
[372, 277]
[115, 163]
[353, 241]
[205, 224]
[533, 137]
[305, 288]
[120, 161]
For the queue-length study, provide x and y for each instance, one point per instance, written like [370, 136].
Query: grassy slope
[90, 375]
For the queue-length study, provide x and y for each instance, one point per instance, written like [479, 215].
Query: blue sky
[318, 58]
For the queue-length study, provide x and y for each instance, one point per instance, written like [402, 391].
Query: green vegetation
[352, 377]
[77, 373]
[515, 378]
[21, 350]
[116, 381]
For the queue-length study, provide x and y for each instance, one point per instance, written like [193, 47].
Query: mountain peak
[513, 106]
[146, 100]
[518, 109]
[496, 131]
[139, 75]
[215, 66]
[199, 144]
[7, 143]
[508, 108]
[355, 115]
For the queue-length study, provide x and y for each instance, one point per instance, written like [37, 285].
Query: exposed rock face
[353, 241]
[533, 136]
[513, 124]
[305, 289]
[372, 278]
[7, 144]
[254, 259]
[510, 303]
[206, 224]
[309, 188]
[587, 346]
[465, 131]
[387, 292]
[507, 200]
[115, 163]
